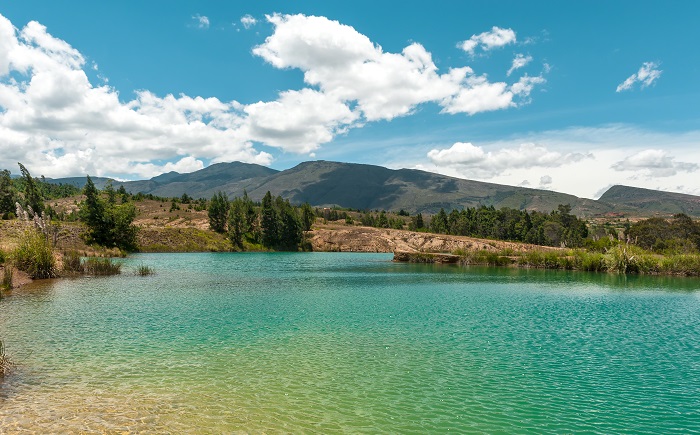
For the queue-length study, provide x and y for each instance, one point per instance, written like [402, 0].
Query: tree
[32, 196]
[108, 224]
[438, 224]
[7, 194]
[308, 217]
[93, 213]
[416, 222]
[218, 212]
[237, 225]
[269, 222]
[290, 229]
[123, 193]
[111, 193]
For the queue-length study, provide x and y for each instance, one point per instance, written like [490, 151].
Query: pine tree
[308, 216]
[237, 223]
[32, 196]
[7, 194]
[108, 224]
[269, 222]
[291, 227]
[218, 212]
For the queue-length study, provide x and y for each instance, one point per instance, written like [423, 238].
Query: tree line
[273, 223]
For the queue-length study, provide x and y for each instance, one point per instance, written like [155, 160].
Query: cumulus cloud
[59, 123]
[248, 21]
[495, 38]
[346, 65]
[648, 73]
[465, 156]
[654, 163]
[519, 61]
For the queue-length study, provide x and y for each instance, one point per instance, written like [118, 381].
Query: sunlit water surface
[350, 343]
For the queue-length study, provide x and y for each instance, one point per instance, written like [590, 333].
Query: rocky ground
[343, 238]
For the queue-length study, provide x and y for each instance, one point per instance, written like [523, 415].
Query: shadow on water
[513, 275]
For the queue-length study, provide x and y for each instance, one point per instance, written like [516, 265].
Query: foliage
[269, 222]
[34, 255]
[109, 225]
[308, 217]
[218, 212]
[143, 270]
[72, 262]
[557, 228]
[32, 195]
[99, 266]
[677, 235]
[7, 195]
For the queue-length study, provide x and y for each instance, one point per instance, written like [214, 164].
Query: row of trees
[676, 235]
[273, 223]
[29, 192]
[557, 228]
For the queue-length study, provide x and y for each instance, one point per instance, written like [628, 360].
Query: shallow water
[351, 343]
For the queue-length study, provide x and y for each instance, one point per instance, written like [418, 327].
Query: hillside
[369, 187]
[652, 202]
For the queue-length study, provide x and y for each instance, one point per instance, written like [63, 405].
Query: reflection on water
[351, 343]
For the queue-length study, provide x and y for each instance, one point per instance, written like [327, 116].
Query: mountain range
[369, 187]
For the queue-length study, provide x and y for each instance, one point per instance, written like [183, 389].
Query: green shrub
[34, 255]
[681, 265]
[72, 262]
[143, 270]
[101, 266]
[2, 256]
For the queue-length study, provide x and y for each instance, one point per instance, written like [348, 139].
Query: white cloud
[519, 61]
[545, 181]
[53, 119]
[248, 21]
[582, 161]
[465, 156]
[348, 66]
[654, 163]
[299, 121]
[57, 123]
[648, 73]
[497, 37]
[201, 21]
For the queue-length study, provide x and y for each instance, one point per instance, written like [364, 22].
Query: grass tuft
[143, 270]
[35, 256]
[101, 266]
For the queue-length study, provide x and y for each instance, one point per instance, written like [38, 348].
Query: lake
[351, 343]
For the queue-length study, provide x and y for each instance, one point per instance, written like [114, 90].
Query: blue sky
[573, 97]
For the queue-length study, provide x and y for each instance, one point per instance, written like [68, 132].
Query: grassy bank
[622, 259]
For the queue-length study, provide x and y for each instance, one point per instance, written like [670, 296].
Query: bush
[143, 270]
[101, 266]
[34, 255]
[72, 262]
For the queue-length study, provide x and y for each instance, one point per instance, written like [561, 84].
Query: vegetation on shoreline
[622, 259]
[107, 218]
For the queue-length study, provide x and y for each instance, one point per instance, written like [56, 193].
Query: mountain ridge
[371, 187]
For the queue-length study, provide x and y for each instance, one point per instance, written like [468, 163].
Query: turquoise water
[351, 343]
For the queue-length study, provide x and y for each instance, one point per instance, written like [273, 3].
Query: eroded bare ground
[365, 239]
